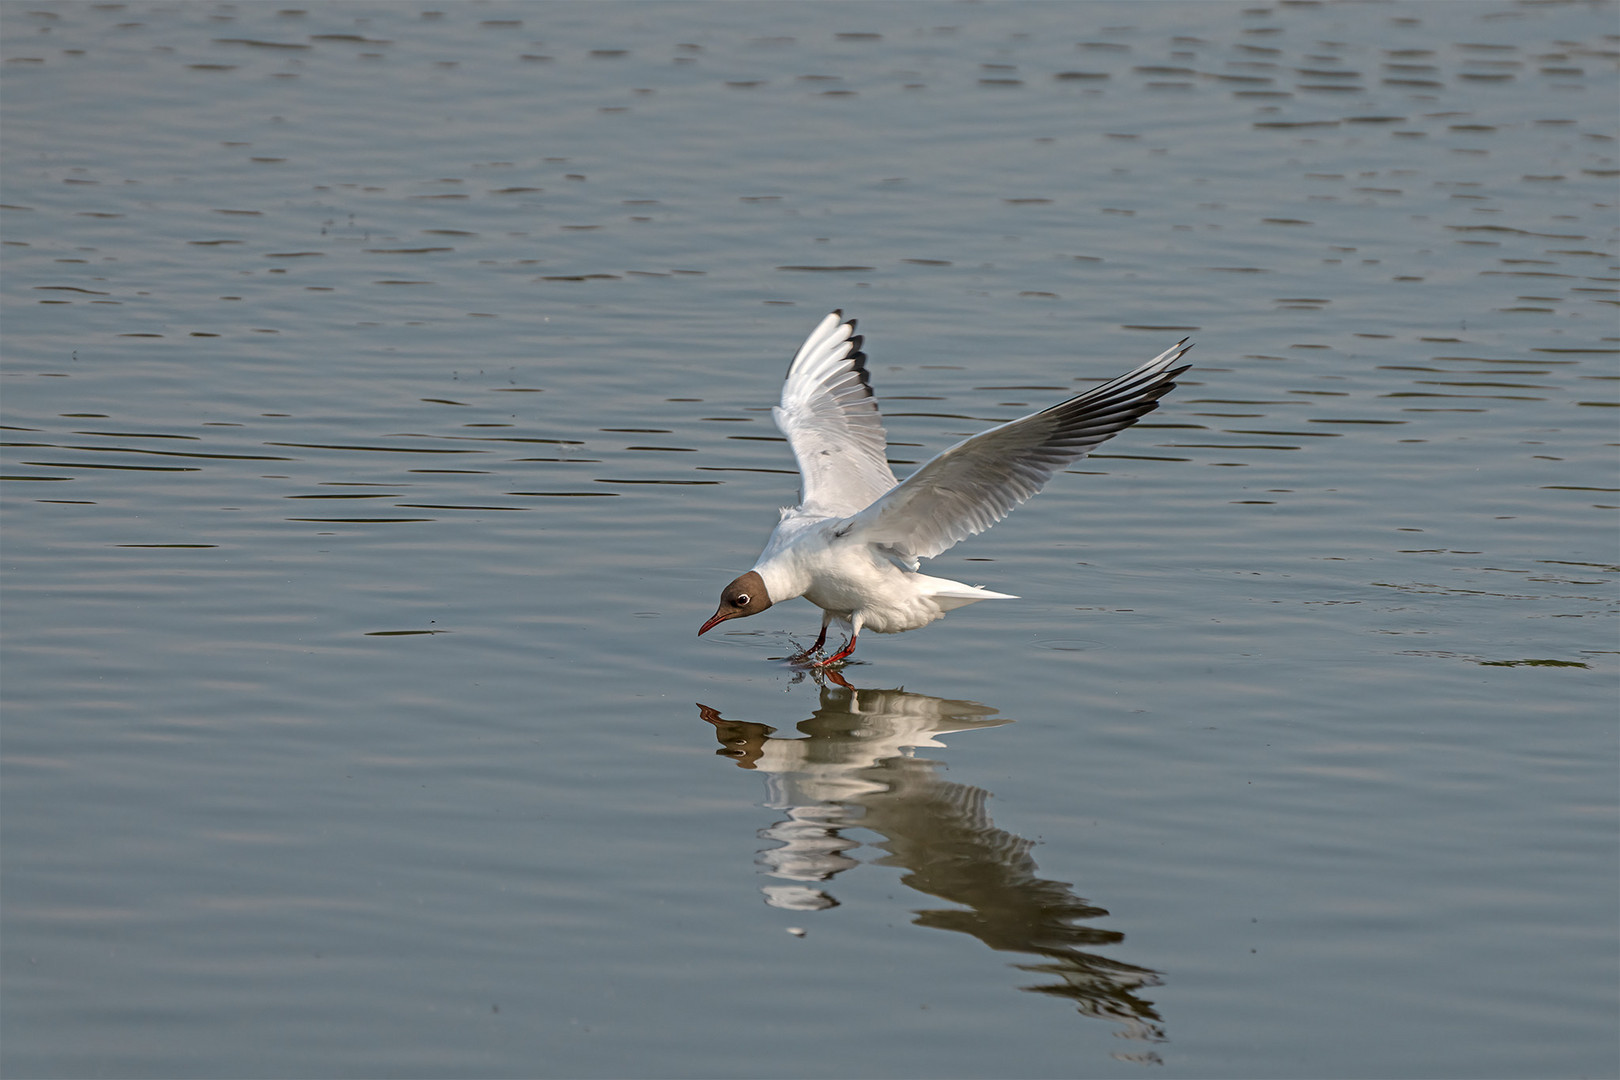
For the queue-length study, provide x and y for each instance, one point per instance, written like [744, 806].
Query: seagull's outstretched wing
[981, 480]
[832, 422]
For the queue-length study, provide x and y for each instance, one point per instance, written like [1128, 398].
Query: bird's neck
[784, 578]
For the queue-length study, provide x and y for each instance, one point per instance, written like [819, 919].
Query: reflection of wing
[925, 818]
[941, 835]
[854, 770]
[832, 422]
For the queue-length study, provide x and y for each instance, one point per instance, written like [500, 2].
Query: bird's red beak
[719, 617]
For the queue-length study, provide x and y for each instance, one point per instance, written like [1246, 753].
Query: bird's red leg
[840, 654]
[821, 639]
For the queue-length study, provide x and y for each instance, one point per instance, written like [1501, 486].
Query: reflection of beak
[719, 617]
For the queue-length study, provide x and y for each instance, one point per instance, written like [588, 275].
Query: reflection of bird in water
[854, 769]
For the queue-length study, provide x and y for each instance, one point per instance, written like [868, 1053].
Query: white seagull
[853, 544]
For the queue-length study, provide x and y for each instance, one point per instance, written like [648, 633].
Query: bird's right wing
[981, 480]
[832, 422]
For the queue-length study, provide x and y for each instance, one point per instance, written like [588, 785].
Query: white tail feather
[950, 595]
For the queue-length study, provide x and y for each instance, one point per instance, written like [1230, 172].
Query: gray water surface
[386, 391]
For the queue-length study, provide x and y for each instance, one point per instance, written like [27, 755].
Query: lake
[387, 391]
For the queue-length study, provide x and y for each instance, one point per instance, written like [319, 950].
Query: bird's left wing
[981, 480]
[832, 422]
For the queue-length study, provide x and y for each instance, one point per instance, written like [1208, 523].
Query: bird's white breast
[805, 557]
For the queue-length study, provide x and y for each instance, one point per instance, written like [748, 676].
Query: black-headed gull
[852, 545]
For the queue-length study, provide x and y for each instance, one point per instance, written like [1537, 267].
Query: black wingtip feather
[856, 358]
[857, 363]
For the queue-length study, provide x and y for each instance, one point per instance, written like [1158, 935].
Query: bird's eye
[741, 600]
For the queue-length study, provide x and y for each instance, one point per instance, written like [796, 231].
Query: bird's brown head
[745, 596]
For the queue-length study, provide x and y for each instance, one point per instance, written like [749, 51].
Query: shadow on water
[852, 766]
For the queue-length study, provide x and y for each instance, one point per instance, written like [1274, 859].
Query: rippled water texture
[386, 394]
